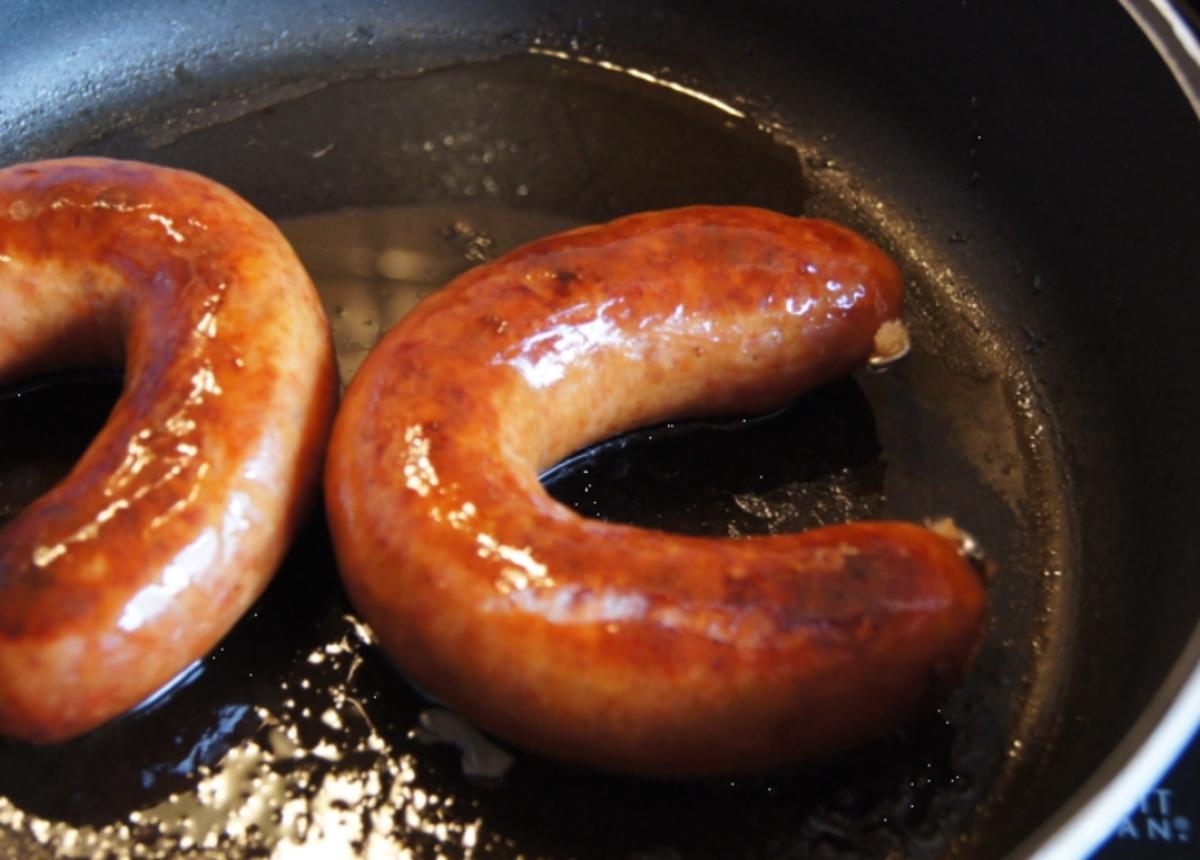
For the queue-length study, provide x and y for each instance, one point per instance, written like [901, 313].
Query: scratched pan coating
[297, 735]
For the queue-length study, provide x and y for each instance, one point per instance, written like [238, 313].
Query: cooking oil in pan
[371, 266]
[297, 738]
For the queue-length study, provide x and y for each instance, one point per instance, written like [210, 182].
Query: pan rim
[1170, 29]
[1165, 727]
[1133, 768]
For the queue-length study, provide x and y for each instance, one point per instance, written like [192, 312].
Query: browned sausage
[173, 521]
[606, 645]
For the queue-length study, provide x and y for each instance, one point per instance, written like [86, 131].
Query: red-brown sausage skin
[605, 645]
[178, 513]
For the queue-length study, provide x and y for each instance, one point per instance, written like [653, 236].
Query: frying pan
[1032, 169]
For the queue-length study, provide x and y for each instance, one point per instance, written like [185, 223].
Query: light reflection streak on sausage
[602, 644]
[176, 516]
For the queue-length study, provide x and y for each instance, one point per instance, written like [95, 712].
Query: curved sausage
[602, 644]
[178, 513]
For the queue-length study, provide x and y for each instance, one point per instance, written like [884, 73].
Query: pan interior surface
[296, 735]
[1033, 171]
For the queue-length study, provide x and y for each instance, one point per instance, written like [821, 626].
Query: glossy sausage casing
[603, 644]
[176, 516]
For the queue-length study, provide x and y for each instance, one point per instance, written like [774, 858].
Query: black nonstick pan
[1033, 168]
